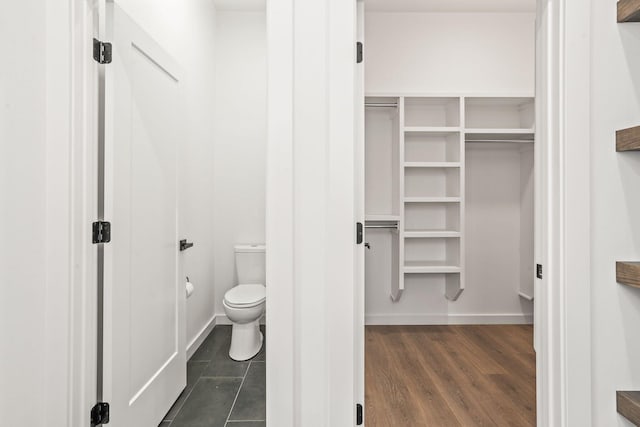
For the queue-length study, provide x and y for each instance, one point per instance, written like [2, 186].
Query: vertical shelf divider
[398, 288]
[455, 283]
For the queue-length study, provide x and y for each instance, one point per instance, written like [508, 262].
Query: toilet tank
[250, 264]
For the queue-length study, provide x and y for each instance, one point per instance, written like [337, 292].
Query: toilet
[244, 303]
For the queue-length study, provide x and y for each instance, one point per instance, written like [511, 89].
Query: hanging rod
[395, 227]
[386, 105]
[499, 140]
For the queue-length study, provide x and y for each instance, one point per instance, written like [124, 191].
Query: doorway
[183, 199]
[449, 147]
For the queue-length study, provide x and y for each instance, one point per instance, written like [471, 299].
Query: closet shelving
[383, 160]
[382, 218]
[628, 405]
[416, 174]
[433, 195]
[629, 11]
[628, 139]
[628, 273]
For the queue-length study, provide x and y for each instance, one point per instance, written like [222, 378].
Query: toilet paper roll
[189, 289]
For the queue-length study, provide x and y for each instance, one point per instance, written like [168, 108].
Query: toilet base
[246, 340]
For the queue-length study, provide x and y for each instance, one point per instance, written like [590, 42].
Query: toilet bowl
[244, 304]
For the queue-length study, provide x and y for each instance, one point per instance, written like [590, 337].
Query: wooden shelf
[628, 273]
[628, 405]
[628, 139]
[629, 11]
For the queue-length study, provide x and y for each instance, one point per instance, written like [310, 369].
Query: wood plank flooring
[447, 376]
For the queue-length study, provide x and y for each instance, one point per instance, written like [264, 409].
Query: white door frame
[310, 226]
[563, 296]
[565, 376]
[564, 387]
[71, 116]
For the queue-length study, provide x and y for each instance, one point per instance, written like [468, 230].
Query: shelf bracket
[395, 295]
[453, 287]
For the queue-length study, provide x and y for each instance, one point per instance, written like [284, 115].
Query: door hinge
[359, 52]
[101, 232]
[100, 414]
[359, 233]
[358, 414]
[539, 271]
[102, 52]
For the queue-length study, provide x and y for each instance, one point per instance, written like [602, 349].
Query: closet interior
[416, 150]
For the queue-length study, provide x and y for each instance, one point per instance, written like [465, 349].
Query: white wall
[23, 275]
[45, 229]
[186, 29]
[239, 140]
[615, 210]
[486, 53]
[449, 52]
[498, 205]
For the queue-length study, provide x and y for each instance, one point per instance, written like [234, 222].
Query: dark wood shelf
[629, 11]
[628, 405]
[628, 273]
[628, 139]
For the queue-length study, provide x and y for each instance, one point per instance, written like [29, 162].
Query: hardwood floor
[446, 376]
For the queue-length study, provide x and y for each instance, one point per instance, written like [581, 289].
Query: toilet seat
[247, 295]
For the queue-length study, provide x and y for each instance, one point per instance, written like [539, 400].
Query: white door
[144, 301]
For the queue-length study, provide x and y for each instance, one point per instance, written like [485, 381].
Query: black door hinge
[102, 52]
[359, 52]
[101, 232]
[359, 414]
[100, 414]
[539, 271]
[359, 233]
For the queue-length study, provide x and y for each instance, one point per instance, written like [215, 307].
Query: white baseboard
[222, 319]
[197, 341]
[448, 319]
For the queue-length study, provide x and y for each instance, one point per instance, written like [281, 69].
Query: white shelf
[430, 267]
[432, 199]
[382, 218]
[417, 234]
[431, 129]
[432, 164]
[422, 144]
[498, 135]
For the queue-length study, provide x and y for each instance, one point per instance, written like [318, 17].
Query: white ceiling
[486, 6]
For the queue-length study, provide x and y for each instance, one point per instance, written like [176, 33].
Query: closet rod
[381, 105]
[395, 227]
[499, 140]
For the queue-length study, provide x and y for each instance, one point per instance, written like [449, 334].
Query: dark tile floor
[220, 392]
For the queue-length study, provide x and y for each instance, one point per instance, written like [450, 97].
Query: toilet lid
[243, 295]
